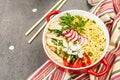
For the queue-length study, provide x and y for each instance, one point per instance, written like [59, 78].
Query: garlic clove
[73, 48]
[75, 53]
[80, 54]
[65, 49]
[69, 51]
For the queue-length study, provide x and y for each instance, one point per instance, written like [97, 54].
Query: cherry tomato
[87, 60]
[66, 63]
[77, 63]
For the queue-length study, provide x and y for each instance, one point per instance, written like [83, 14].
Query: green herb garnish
[67, 23]
[74, 42]
[76, 56]
[59, 50]
[81, 22]
[101, 49]
[54, 41]
[65, 53]
[90, 53]
[55, 51]
[94, 22]
[60, 43]
[71, 57]
[58, 32]
[73, 60]
[64, 28]
[66, 20]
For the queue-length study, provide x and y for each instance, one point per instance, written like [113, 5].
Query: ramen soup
[75, 41]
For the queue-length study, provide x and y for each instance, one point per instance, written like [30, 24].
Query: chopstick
[39, 30]
[41, 19]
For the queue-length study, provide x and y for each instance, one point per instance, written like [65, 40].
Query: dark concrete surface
[16, 17]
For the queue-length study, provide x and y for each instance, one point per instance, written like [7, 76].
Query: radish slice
[69, 34]
[82, 40]
[65, 32]
[79, 37]
[75, 37]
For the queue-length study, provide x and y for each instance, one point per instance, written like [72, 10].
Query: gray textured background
[16, 17]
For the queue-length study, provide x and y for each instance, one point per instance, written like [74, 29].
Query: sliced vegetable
[65, 32]
[66, 63]
[55, 51]
[86, 60]
[72, 46]
[73, 60]
[75, 37]
[74, 42]
[90, 53]
[94, 22]
[58, 32]
[60, 43]
[66, 20]
[101, 49]
[80, 54]
[64, 28]
[77, 63]
[82, 40]
[65, 54]
[54, 41]
[69, 34]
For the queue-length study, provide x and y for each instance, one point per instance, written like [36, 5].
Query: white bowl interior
[81, 13]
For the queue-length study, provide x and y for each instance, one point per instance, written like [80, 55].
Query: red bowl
[88, 69]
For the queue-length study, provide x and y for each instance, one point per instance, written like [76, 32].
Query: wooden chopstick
[38, 22]
[64, 1]
[39, 30]
[36, 34]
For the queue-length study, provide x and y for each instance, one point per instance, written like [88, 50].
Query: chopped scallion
[90, 53]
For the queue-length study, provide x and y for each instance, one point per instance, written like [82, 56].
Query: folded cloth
[109, 12]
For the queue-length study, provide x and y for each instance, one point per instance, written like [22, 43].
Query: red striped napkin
[109, 12]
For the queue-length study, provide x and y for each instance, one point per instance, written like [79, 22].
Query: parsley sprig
[68, 19]
[58, 32]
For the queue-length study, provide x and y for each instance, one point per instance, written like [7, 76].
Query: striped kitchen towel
[109, 12]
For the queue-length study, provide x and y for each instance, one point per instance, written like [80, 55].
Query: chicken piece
[55, 25]
[54, 56]
[49, 42]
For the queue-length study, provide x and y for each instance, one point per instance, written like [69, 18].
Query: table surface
[18, 59]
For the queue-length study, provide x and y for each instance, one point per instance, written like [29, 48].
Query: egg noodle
[96, 40]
